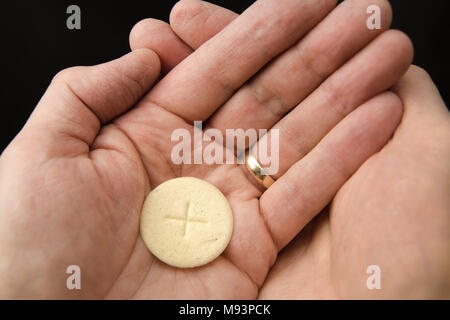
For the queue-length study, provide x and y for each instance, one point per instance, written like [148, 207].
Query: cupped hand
[73, 181]
[393, 214]
[386, 234]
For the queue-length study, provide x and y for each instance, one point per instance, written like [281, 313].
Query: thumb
[420, 96]
[80, 99]
[423, 134]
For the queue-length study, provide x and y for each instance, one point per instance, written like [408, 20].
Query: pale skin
[360, 183]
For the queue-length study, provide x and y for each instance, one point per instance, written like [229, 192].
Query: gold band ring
[257, 171]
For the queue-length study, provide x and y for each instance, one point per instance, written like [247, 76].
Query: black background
[36, 43]
[278, 309]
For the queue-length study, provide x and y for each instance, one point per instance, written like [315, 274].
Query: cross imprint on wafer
[186, 218]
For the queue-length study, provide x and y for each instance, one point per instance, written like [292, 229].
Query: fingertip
[374, 122]
[183, 9]
[387, 13]
[362, 9]
[197, 21]
[385, 10]
[383, 116]
[158, 36]
[180, 11]
[386, 106]
[147, 61]
[401, 45]
[392, 107]
[144, 29]
[135, 34]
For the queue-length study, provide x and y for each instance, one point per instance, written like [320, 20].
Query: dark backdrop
[36, 43]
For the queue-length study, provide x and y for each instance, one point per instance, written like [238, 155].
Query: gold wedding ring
[257, 171]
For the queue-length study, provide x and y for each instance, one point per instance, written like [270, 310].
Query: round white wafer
[186, 222]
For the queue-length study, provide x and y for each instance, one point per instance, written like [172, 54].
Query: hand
[74, 179]
[396, 205]
[394, 213]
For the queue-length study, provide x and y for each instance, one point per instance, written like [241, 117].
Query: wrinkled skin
[394, 213]
[73, 181]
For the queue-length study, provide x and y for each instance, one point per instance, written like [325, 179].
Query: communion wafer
[186, 222]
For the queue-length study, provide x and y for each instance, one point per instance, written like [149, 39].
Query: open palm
[74, 180]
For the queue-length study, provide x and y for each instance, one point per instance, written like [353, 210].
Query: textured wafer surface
[186, 222]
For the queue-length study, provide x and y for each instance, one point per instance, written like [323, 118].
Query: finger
[207, 78]
[295, 74]
[80, 99]
[417, 90]
[158, 36]
[373, 70]
[193, 22]
[197, 21]
[309, 185]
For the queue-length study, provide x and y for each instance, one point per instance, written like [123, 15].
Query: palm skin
[393, 212]
[236, 274]
[89, 204]
[101, 235]
[73, 184]
[77, 200]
